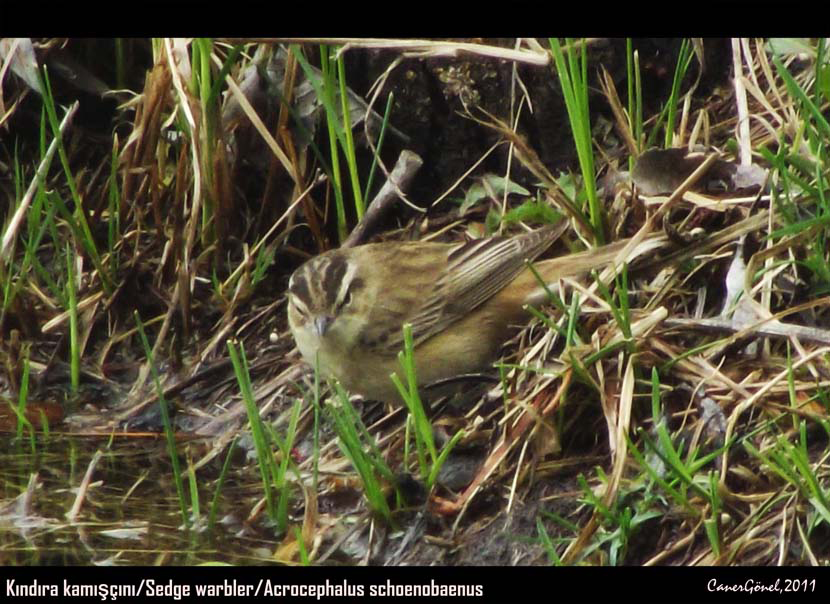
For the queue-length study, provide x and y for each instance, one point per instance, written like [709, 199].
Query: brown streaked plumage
[347, 307]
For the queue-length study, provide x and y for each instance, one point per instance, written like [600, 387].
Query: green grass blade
[172, 449]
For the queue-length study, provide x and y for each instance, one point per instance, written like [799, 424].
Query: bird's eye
[292, 302]
[347, 299]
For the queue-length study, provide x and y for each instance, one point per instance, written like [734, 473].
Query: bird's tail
[573, 265]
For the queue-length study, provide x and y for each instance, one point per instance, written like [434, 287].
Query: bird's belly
[461, 349]
[447, 354]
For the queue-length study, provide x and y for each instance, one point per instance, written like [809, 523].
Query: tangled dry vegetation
[673, 413]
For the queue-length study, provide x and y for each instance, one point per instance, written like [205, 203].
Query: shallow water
[130, 513]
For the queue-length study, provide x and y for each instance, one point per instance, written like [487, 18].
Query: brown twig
[405, 168]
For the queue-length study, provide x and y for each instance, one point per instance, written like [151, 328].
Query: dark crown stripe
[299, 288]
[333, 279]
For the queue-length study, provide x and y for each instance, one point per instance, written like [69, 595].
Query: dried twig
[405, 169]
[17, 219]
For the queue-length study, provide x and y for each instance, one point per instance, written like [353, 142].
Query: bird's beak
[321, 325]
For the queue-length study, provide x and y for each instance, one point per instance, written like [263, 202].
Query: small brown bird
[347, 307]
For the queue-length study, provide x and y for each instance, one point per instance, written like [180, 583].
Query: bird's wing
[475, 272]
